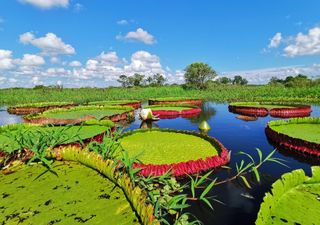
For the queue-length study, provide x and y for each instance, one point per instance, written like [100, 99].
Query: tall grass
[217, 93]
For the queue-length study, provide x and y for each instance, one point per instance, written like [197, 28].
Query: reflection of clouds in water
[236, 200]
[6, 118]
[247, 127]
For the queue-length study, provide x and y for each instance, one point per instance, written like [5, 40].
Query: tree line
[197, 75]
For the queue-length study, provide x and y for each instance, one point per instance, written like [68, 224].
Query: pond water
[240, 204]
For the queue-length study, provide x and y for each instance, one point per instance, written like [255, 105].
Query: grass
[222, 93]
[163, 147]
[168, 107]
[303, 128]
[33, 195]
[98, 112]
[116, 102]
[83, 132]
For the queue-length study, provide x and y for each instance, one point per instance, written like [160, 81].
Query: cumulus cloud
[138, 35]
[50, 44]
[263, 76]
[275, 41]
[305, 44]
[75, 63]
[47, 4]
[6, 61]
[31, 60]
[144, 62]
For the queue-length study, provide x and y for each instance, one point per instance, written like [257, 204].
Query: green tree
[239, 80]
[158, 79]
[224, 80]
[136, 80]
[124, 81]
[197, 74]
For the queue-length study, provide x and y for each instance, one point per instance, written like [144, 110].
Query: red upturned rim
[298, 111]
[56, 121]
[25, 110]
[187, 167]
[168, 114]
[290, 143]
[175, 102]
[135, 105]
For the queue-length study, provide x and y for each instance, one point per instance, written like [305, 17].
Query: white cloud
[304, 44]
[6, 61]
[54, 60]
[47, 4]
[31, 60]
[138, 35]
[50, 44]
[75, 63]
[263, 76]
[122, 22]
[36, 81]
[275, 41]
[144, 62]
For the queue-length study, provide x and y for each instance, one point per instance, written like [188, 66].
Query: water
[240, 204]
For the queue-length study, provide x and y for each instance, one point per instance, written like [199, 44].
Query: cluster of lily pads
[60, 141]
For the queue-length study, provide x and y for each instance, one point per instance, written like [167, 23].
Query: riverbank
[221, 93]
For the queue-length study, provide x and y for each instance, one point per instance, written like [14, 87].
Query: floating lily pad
[173, 111]
[175, 100]
[77, 195]
[271, 108]
[88, 130]
[294, 199]
[133, 103]
[24, 109]
[300, 134]
[80, 114]
[178, 150]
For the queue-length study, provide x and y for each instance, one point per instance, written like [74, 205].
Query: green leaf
[245, 181]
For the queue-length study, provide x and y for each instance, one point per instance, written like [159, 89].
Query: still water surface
[240, 205]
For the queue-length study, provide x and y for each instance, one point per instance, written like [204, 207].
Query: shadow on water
[241, 205]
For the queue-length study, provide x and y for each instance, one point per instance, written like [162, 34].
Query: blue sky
[90, 43]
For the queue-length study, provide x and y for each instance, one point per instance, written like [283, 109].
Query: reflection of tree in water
[207, 112]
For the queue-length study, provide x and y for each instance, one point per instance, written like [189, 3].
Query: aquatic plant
[164, 149]
[299, 134]
[173, 110]
[75, 194]
[275, 109]
[80, 114]
[294, 199]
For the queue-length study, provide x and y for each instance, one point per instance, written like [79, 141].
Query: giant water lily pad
[270, 108]
[294, 200]
[132, 103]
[182, 151]
[300, 134]
[88, 130]
[173, 111]
[24, 109]
[77, 195]
[79, 114]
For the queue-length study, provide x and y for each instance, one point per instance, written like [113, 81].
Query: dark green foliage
[198, 74]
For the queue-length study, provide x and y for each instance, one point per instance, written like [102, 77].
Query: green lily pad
[162, 146]
[76, 195]
[307, 129]
[295, 199]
